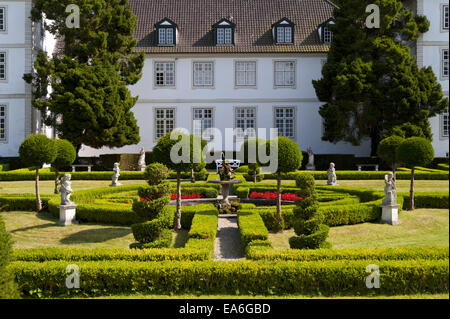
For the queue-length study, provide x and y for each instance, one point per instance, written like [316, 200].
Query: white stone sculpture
[67, 209]
[389, 206]
[390, 192]
[66, 189]
[331, 173]
[115, 177]
[141, 162]
[310, 166]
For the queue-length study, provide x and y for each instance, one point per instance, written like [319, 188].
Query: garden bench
[369, 165]
[234, 164]
[88, 166]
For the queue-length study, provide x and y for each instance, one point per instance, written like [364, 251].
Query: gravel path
[228, 243]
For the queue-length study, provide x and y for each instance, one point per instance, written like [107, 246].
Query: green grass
[31, 230]
[402, 185]
[422, 227]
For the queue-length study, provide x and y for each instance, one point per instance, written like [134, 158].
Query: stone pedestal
[310, 167]
[390, 214]
[67, 214]
[115, 185]
[226, 186]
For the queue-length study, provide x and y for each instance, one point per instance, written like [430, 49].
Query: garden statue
[226, 171]
[141, 162]
[331, 173]
[115, 177]
[66, 189]
[67, 209]
[310, 166]
[390, 192]
[389, 206]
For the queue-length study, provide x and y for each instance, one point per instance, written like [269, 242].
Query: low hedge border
[260, 252]
[251, 227]
[99, 254]
[366, 175]
[203, 230]
[242, 277]
[27, 175]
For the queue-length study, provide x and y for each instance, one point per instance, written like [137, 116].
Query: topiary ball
[415, 151]
[387, 149]
[156, 173]
[289, 155]
[65, 154]
[37, 150]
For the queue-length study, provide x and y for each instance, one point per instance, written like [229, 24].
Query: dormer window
[166, 32]
[224, 32]
[283, 31]
[325, 34]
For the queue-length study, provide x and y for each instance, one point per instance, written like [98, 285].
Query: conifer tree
[370, 82]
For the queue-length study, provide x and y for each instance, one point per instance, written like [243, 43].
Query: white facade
[224, 97]
[18, 40]
[431, 48]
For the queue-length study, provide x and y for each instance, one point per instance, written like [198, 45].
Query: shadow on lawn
[97, 235]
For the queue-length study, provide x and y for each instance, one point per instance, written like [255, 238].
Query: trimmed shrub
[156, 173]
[8, 288]
[308, 220]
[340, 277]
[242, 192]
[162, 240]
[103, 254]
[265, 252]
[387, 150]
[251, 227]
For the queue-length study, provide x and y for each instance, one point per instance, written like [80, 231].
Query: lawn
[422, 227]
[31, 230]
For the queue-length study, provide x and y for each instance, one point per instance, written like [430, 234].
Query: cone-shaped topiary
[308, 221]
[151, 207]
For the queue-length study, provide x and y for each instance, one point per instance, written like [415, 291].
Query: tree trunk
[178, 214]
[192, 176]
[38, 197]
[279, 201]
[254, 175]
[411, 191]
[56, 181]
[394, 168]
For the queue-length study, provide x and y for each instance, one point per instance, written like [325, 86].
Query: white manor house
[221, 63]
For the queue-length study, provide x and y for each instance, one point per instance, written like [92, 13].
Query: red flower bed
[191, 196]
[273, 196]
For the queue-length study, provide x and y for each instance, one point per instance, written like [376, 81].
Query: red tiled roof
[253, 19]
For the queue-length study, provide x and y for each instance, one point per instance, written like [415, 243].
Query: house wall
[224, 97]
[16, 41]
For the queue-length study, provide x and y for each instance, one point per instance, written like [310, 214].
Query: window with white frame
[245, 73]
[445, 19]
[165, 74]
[285, 121]
[2, 65]
[284, 34]
[445, 123]
[224, 36]
[285, 73]
[2, 19]
[164, 121]
[165, 36]
[245, 122]
[203, 122]
[327, 35]
[203, 73]
[444, 63]
[3, 119]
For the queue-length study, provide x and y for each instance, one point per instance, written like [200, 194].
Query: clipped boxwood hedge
[260, 252]
[251, 227]
[104, 254]
[242, 277]
[366, 175]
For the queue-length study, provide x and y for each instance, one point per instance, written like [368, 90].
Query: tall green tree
[89, 102]
[370, 82]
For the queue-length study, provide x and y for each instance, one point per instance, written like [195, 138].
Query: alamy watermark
[373, 19]
[373, 280]
[73, 279]
[73, 19]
